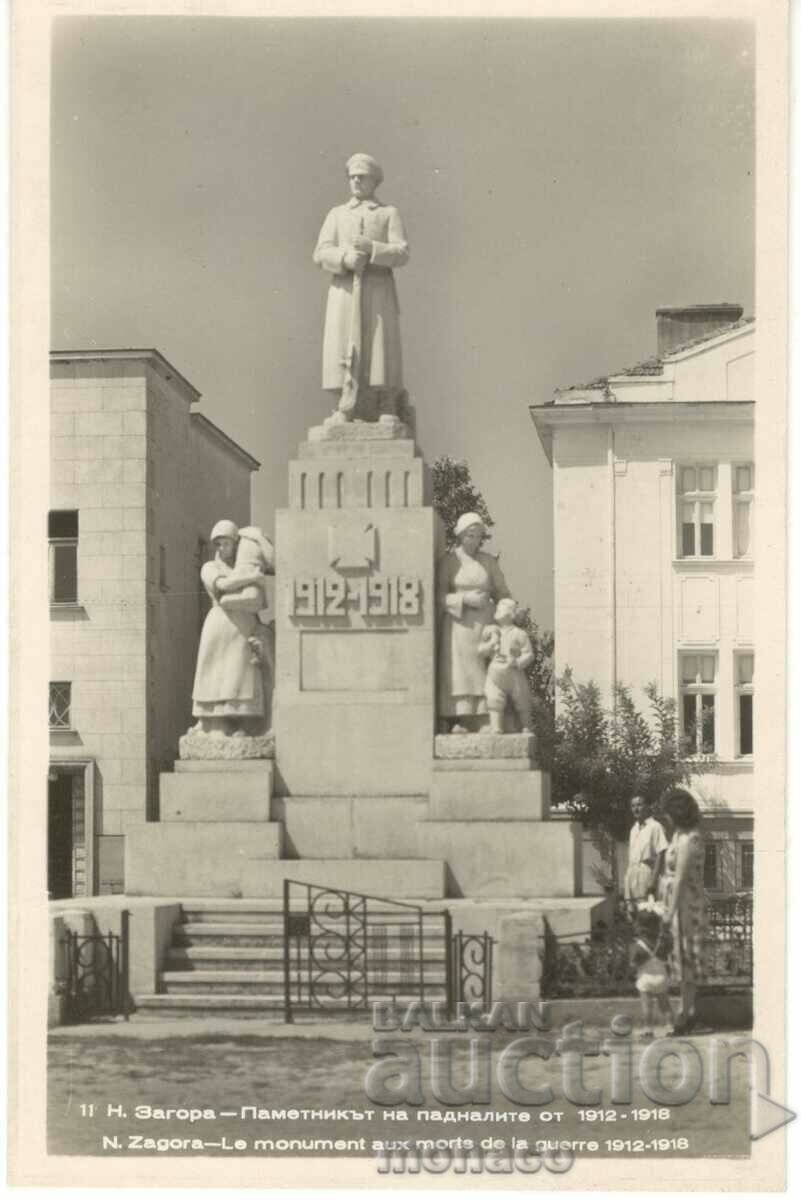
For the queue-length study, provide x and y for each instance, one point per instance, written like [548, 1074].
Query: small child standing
[509, 650]
[651, 951]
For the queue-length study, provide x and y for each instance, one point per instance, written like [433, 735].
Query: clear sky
[559, 180]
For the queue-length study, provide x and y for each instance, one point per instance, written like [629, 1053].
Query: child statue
[255, 560]
[509, 651]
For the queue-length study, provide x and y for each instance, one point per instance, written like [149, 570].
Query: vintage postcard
[398, 477]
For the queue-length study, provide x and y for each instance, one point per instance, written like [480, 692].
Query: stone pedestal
[355, 619]
[215, 818]
[488, 817]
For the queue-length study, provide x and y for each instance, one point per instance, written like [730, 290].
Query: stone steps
[250, 1005]
[198, 1005]
[227, 957]
[193, 958]
[232, 983]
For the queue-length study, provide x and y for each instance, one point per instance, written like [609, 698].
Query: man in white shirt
[647, 846]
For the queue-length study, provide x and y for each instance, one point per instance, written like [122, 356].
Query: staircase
[226, 959]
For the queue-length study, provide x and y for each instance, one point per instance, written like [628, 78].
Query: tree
[455, 493]
[600, 758]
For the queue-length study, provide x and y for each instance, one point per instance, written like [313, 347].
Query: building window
[696, 494]
[60, 703]
[698, 687]
[745, 866]
[711, 867]
[163, 568]
[62, 533]
[744, 687]
[743, 485]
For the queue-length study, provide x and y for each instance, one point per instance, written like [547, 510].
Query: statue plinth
[386, 428]
[355, 617]
[475, 746]
[196, 745]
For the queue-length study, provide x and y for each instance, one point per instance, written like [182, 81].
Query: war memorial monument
[374, 739]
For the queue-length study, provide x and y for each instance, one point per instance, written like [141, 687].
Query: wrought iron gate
[97, 974]
[344, 950]
[472, 967]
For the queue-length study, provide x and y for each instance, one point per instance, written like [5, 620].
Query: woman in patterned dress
[682, 892]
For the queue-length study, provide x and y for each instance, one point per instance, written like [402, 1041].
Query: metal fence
[600, 963]
[96, 981]
[471, 969]
[344, 950]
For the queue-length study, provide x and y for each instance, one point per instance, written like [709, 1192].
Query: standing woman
[469, 584]
[682, 892]
[229, 682]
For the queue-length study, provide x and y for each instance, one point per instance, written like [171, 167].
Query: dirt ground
[96, 1084]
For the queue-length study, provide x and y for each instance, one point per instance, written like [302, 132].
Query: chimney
[675, 326]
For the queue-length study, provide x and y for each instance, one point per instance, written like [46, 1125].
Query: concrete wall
[142, 475]
[98, 454]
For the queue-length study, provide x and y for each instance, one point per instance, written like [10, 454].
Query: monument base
[215, 816]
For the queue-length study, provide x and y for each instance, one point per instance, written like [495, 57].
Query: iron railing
[600, 963]
[471, 967]
[344, 950]
[96, 981]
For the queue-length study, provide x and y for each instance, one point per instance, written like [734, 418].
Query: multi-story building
[137, 481]
[653, 483]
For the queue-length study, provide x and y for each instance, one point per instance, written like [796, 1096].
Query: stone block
[519, 957]
[401, 448]
[354, 697]
[255, 766]
[101, 470]
[414, 879]
[506, 858]
[62, 424]
[122, 397]
[353, 747]
[134, 422]
[490, 795]
[564, 915]
[351, 826]
[151, 927]
[200, 858]
[98, 424]
[63, 472]
[134, 518]
[215, 796]
[102, 519]
[134, 470]
[484, 745]
[484, 764]
[62, 448]
[344, 482]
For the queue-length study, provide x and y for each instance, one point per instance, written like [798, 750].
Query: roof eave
[150, 355]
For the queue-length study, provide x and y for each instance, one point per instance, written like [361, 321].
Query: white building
[137, 481]
[653, 481]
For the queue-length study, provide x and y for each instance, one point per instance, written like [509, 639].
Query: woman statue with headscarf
[469, 584]
[360, 243]
[234, 648]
